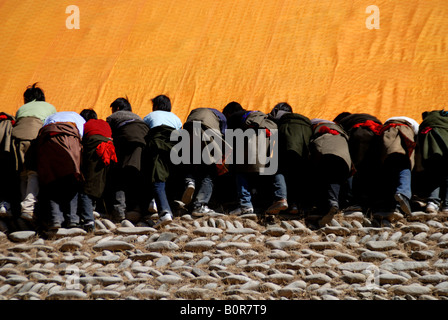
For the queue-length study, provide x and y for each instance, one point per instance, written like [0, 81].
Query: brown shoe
[326, 219]
[277, 206]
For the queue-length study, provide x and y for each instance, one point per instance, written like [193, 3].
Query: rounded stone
[67, 295]
[162, 246]
[204, 231]
[413, 290]
[70, 246]
[105, 294]
[415, 245]
[113, 245]
[199, 245]
[372, 256]
[170, 279]
[135, 230]
[318, 278]
[21, 236]
[381, 245]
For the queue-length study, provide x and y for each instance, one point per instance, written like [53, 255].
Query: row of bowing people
[61, 167]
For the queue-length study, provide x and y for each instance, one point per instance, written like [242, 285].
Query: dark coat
[398, 138]
[215, 121]
[294, 134]
[94, 169]
[158, 150]
[256, 120]
[433, 137]
[330, 139]
[364, 141]
[59, 152]
[130, 142]
[24, 134]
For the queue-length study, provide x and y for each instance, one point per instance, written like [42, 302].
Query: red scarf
[410, 145]
[106, 151]
[372, 125]
[97, 126]
[325, 129]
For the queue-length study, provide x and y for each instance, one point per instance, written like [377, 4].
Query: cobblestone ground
[231, 258]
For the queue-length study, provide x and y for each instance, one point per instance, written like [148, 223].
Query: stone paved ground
[231, 258]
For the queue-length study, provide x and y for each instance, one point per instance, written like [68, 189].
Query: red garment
[97, 126]
[325, 129]
[268, 133]
[391, 125]
[372, 125]
[5, 117]
[426, 130]
[106, 151]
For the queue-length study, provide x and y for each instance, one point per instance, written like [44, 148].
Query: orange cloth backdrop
[317, 55]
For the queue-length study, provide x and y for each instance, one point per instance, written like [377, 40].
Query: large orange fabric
[317, 55]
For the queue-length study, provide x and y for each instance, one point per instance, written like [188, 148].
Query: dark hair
[88, 114]
[282, 106]
[341, 116]
[162, 103]
[33, 93]
[121, 104]
[231, 108]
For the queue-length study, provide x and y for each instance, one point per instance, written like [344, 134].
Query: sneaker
[403, 201]
[293, 209]
[118, 216]
[28, 216]
[188, 193]
[54, 226]
[5, 209]
[326, 219]
[72, 225]
[167, 218]
[152, 206]
[352, 209]
[89, 227]
[277, 206]
[431, 207]
[444, 209]
[201, 211]
[242, 210]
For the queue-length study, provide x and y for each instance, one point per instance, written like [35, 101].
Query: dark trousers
[163, 205]
[202, 176]
[331, 174]
[86, 205]
[126, 191]
[61, 197]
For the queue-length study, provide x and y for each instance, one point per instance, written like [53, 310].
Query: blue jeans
[280, 189]
[243, 192]
[404, 183]
[331, 173]
[62, 198]
[161, 199]
[64, 210]
[86, 205]
[439, 193]
[204, 174]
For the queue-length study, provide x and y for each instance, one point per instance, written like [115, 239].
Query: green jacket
[93, 168]
[294, 135]
[433, 136]
[158, 150]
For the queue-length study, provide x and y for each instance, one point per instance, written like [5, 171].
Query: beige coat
[398, 137]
